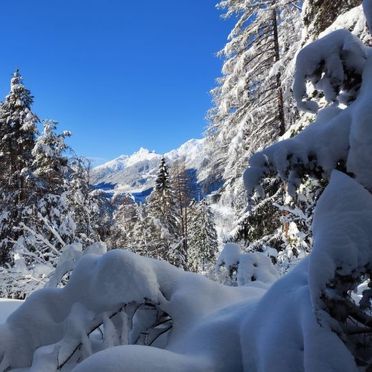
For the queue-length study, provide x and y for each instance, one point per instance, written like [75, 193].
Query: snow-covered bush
[32, 271]
[236, 268]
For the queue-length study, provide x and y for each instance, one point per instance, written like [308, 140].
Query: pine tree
[17, 134]
[42, 219]
[280, 224]
[142, 235]
[203, 244]
[18, 131]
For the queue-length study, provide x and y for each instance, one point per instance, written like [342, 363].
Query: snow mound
[244, 268]
[342, 235]
[209, 327]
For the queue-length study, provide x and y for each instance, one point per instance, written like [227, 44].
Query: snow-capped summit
[136, 173]
[192, 152]
[141, 155]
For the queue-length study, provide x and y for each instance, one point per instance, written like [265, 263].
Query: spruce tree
[144, 230]
[82, 202]
[162, 209]
[17, 133]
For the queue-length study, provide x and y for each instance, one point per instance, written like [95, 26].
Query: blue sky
[119, 74]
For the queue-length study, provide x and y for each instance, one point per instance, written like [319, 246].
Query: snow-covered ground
[7, 306]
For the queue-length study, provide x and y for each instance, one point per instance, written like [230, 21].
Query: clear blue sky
[119, 74]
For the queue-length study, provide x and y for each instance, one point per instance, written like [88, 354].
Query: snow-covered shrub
[236, 268]
[52, 270]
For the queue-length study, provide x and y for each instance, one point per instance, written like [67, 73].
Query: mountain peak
[143, 150]
[142, 154]
[137, 172]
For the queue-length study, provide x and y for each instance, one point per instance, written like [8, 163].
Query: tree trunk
[278, 76]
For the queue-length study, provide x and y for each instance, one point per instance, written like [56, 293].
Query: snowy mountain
[136, 173]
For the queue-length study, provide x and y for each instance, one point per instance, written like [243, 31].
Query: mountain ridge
[136, 173]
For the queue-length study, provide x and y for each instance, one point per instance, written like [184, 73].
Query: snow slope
[136, 173]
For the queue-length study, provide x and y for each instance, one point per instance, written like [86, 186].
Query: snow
[141, 359]
[214, 327]
[342, 233]
[137, 172]
[321, 144]
[245, 268]
[337, 135]
[7, 306]
[338, 51]
[282, 334]
[62, 316]
[181, 321]
[229, 256]
[255, 266]
[360, 135]
[353, 20]
[192, 152]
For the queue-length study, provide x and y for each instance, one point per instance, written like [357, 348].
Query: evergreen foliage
[45, 196]
[165, 219]
[17, 134]
[203, 244]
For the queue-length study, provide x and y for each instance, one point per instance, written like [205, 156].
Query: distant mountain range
[136, 173]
